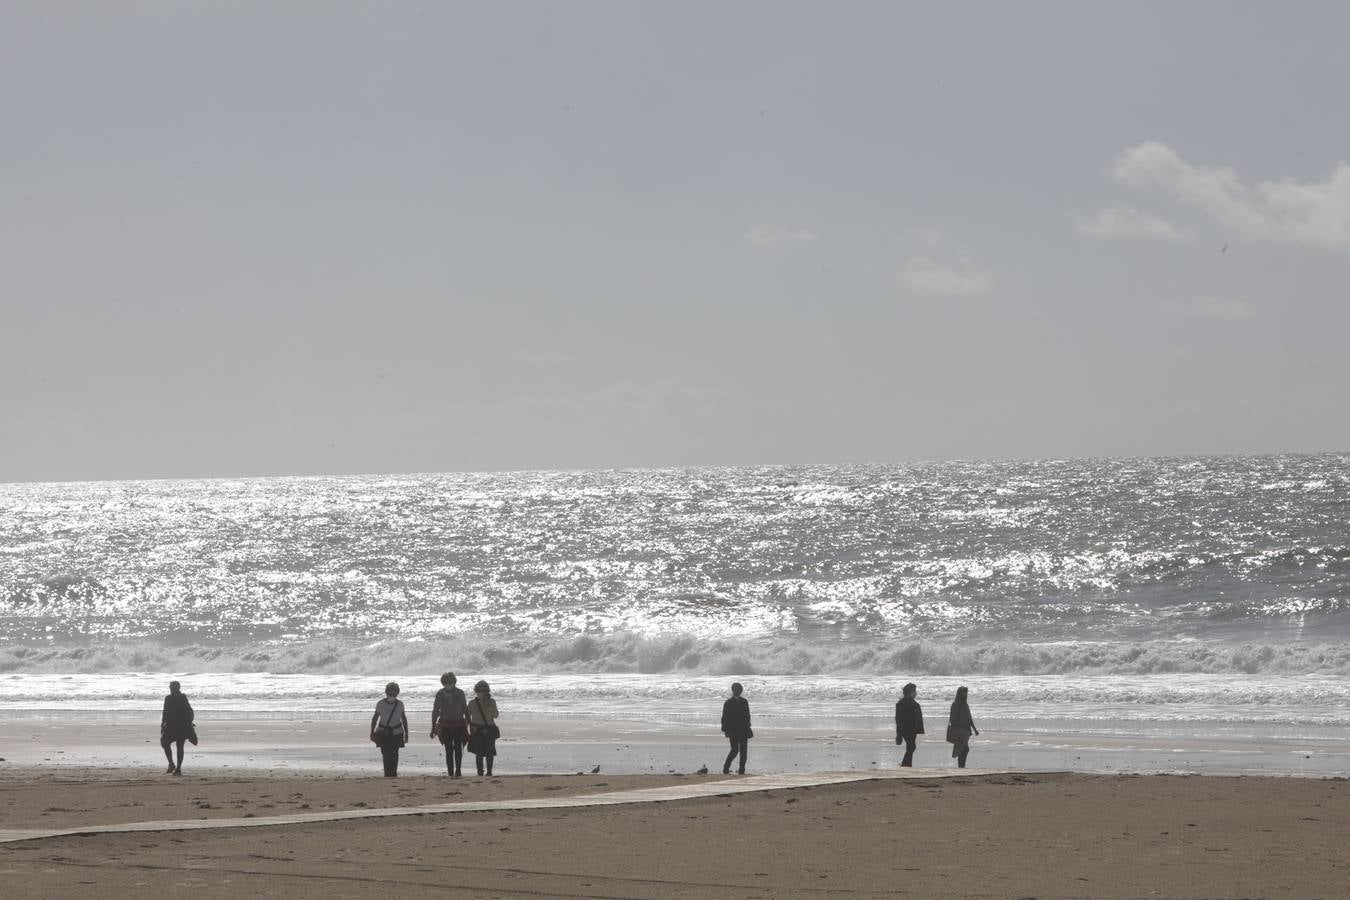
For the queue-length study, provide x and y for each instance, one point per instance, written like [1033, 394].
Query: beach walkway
[666, 794]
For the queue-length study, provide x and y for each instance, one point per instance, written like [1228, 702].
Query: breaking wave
[627, 653]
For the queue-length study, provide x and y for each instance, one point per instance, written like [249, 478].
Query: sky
[334, 237]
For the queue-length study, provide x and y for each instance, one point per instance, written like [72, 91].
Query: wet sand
[274, 746]
[1042, 835]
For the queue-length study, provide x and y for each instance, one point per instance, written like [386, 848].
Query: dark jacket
[908, 717]
[176, 723]
[736, 718]
[960, 716]
[450, 707]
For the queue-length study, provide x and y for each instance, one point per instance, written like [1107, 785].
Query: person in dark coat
[450, 723]
[908, 722]
[736, 726]
[175, 726]
[389, 728]
[960, 726]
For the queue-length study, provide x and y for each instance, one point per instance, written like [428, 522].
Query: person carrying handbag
[389, 728]
[483, 730]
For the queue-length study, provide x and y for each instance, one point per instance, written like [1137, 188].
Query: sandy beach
[543, 746]
[998, 835]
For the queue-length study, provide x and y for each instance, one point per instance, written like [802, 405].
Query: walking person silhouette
[450, 723]
[908, 722]
[176, 726]
[736, 726]
[960, 726]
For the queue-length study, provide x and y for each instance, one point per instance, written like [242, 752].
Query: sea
[1165, 614]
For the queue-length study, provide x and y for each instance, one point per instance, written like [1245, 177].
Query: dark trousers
[962, 751]
[911, 741]
[390, 753]
[454, 757]
[738, 745]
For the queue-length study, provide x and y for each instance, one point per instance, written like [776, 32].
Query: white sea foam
[625, 652]
[1228, 705]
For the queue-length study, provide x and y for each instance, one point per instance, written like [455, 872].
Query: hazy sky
[256, 238]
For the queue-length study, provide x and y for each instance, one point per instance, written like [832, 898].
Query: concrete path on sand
[688, 791]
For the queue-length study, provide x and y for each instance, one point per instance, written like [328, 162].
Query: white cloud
[1315, 213]
[1128, 222]
[933, 277]
[1215, 308]
[773, 236]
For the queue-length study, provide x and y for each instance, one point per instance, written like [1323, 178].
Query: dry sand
[1040, 835]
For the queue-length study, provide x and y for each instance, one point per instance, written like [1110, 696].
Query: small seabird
[703, 771]
[595, 771]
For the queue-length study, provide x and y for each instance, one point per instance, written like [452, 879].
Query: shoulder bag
[489, 726]
[386, 731]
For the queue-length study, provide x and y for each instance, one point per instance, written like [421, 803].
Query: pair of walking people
[457, 722]
[909, 724]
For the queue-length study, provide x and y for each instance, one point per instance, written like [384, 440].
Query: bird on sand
[703, 771]
[595, 771]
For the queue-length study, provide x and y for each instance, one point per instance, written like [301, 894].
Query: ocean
[1138, 608]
